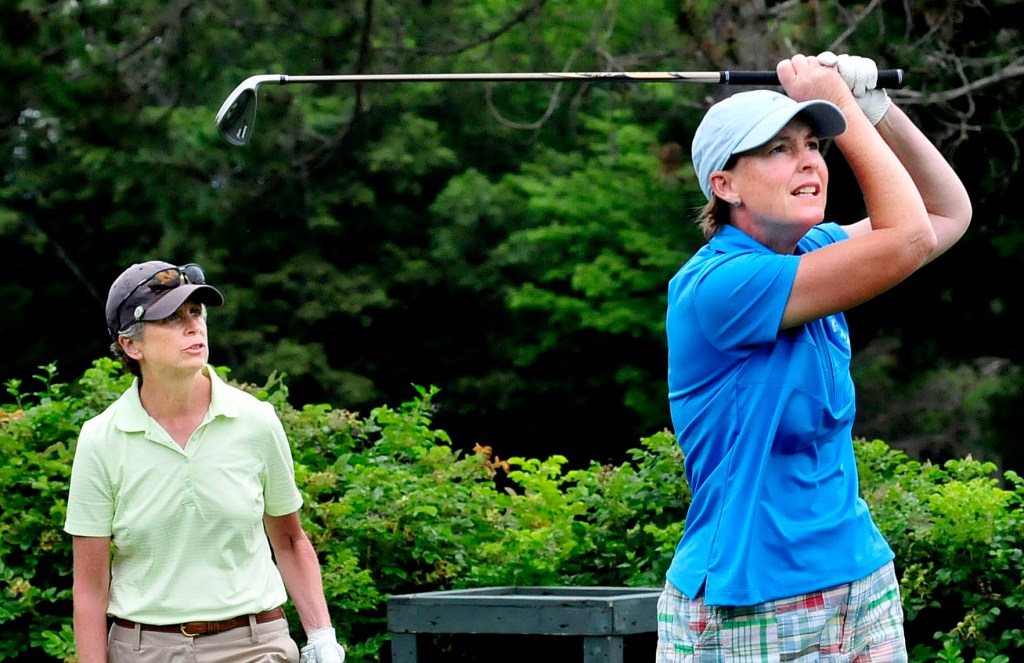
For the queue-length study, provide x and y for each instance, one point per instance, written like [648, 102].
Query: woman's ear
[721, 186]
[130, 347]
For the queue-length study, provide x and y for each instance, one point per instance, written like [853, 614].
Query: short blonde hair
[713, 216]
[716, 213]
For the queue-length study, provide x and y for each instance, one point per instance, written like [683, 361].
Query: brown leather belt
[192, 629]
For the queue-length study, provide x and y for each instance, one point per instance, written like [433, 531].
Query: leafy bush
[37, 437]
[957, 534]
[393, 507]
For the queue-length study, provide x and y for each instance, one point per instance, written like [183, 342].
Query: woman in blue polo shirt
[780, 559]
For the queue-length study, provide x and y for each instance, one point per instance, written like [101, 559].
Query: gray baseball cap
[750, 119]
[154, 290]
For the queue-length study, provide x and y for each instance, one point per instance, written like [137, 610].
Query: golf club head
[237, 114]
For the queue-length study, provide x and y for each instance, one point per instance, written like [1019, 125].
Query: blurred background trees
[508, 243]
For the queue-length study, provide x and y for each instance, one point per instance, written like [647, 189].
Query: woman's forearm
[91, 596]
[90, 621]
[942, 192]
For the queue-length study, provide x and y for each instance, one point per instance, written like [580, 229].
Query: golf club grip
[893, 79]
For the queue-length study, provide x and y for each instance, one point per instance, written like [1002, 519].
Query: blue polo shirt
[764, 419]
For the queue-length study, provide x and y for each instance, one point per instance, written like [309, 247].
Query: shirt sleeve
[821, 235]
[91, 495]
[280, 494]
[739, 301]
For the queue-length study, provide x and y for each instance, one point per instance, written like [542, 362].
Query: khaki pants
[256, 643]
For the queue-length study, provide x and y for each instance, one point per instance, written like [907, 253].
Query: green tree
[346, 235]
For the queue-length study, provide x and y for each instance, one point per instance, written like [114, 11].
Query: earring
[737, 203]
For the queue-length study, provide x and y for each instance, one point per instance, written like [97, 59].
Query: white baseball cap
[750, 119]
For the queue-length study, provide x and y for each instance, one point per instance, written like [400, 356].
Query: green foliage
[945, 411]
[957, 532]
[597, 237]
[36, 441]
[393, 508]
[536, 222]
[594, 235]
[633, 518]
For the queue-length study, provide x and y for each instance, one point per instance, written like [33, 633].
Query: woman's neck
[175, 395]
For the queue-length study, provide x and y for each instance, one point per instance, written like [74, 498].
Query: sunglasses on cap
[165, 279]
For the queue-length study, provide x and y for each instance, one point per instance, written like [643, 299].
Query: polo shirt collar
[221, 401]
[131, 417]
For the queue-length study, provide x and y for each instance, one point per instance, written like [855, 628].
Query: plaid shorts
[859, 622]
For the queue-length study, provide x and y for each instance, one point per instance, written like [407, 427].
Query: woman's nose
[811, 159]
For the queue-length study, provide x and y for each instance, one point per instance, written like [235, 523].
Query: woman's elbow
[964, 215]
[954, 217]
[923, 245]
[949, 229]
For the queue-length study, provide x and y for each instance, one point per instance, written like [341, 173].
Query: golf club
[238, 112]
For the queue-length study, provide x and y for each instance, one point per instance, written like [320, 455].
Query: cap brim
[175, 297]
[825, 118]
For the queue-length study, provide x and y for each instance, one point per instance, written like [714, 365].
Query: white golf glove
[322, 647]
[861, 75]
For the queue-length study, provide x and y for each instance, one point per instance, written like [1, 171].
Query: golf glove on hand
[861, 75]
[322, 647]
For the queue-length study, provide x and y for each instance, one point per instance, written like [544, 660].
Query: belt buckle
[186, 633]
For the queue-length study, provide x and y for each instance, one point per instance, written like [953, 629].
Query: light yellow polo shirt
[186, 524]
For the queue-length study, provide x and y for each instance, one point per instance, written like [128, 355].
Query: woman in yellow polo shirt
[183, 496]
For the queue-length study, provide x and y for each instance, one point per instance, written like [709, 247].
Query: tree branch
[852, 28]
[917, 97]
[515, 20]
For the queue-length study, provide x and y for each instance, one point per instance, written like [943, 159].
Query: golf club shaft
[888, 78]
[237, 114]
